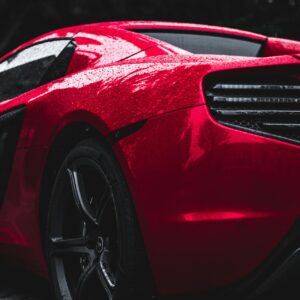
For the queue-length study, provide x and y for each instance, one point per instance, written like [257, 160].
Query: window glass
[26, 69]
[199, 43]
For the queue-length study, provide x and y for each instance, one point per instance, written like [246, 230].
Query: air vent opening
[265, 102]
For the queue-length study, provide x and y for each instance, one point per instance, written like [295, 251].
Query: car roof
[69, 32]
[159, 25]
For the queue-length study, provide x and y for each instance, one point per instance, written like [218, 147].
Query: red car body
[213, 202]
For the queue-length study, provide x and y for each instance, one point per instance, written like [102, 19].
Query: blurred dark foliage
[23, 20]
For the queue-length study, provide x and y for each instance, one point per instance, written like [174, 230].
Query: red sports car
[143, 159]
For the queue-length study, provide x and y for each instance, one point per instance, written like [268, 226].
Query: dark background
[24, 19]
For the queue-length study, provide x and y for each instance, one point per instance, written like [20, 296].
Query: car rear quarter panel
[212, 202]
[111, 97]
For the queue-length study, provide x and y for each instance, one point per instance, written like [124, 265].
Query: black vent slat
[269, 109]
[256, 112]
[229, 99]
[287, 126]
[266, 87]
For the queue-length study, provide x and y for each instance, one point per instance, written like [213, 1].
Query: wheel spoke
[107, 288]
[104, 199]
[83, 243]
[73, 245]
[80, 198]
[106, 277]
[84, 279]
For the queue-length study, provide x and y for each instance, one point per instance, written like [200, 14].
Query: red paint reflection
[223, 216]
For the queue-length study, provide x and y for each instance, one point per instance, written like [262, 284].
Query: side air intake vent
[268, 109]
[10, 126]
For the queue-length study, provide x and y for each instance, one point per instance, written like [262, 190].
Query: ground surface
[19, 285]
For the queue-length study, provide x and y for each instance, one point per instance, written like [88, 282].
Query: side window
[201, 43]
[34, 66]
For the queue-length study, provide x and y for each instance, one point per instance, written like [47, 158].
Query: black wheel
[93, 244]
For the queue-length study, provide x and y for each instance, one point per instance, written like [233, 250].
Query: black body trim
[10, 128]
[273, 270]
[123, 132]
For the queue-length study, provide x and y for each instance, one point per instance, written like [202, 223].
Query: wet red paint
[218, 197]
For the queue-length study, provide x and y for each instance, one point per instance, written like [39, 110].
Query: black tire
[93, 245]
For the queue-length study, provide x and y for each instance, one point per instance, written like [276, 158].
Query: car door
[23, 71]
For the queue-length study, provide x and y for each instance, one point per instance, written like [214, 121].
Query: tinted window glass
[28, 68]
[208, 44]
[60, 65]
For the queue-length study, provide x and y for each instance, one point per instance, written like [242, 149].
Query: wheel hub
[99, 245]
[83, 261]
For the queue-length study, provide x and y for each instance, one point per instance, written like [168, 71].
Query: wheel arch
[70, 135]
[66, 139]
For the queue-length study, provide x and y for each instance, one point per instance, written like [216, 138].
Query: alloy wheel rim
[84, 245]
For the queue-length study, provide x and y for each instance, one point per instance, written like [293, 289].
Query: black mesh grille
[271, 109]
